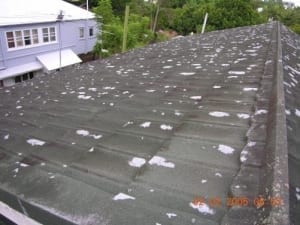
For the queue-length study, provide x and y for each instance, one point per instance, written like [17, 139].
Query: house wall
[69, 39]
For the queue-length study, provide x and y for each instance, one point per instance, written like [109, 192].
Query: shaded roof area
[141, 137]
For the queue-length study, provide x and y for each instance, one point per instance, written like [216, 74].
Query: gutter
[15, 216]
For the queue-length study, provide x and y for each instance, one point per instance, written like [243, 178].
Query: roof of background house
[142, 137]
[14, 12]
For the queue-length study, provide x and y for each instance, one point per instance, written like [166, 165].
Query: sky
[297, 2]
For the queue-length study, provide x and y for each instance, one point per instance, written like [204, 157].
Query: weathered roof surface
[139, 138]
[39, 11]
[291, 59]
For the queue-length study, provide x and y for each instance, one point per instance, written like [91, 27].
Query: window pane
[81, 32]
[9, 35]
[19, 38]
[18, 79]
[52, 34]
[27, 38]
[25, 76]
[53, 37]
[10, 39]
[45, 35]
[35, 36]
[91, 31]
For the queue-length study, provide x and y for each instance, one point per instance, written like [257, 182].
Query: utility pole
[156, 16]
[86, 30]
[59, 19]
[125, 32]
[204, 23]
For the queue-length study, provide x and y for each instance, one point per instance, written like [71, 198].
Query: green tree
[234, 13]
[104, 10]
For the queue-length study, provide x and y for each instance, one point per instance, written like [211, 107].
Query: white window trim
[83, 37]
[32, 45]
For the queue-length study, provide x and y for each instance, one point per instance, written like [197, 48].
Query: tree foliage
[182, 16]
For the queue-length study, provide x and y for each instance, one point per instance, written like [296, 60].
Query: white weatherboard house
[38, 36]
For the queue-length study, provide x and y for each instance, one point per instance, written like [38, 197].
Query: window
[24, 77]
[45, 35]
[18, 79]
[30, 37]
[27, 37]
[52, 34]
[10, 39]
[49, 34]
[81, 32]
[19, 38]
[91, 31]
[35, 36]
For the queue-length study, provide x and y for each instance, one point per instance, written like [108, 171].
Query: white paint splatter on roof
[249, 89]
[160, 161]
[96, 136]
[202, 208]
[145, 124]
[178, 113]
[122, 196]
[237, 72]
[150, 91]
[187, 73]
[166, 127]
[109, 88]
[24, 165]
[170, 215]
[83, 132]
[35, 142]
[243, 115]
[137, 162]
[84, 97]
[261, 111]
[196, 97]
[225, 149]
[218, 114]
[251, 143]
[86, 133]
[218, 174]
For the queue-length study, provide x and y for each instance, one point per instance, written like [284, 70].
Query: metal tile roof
[39, 11]
[140, 137]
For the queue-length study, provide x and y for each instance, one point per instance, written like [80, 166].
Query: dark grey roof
[139, 137]
[291, 62]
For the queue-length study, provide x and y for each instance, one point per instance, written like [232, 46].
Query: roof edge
[280, 184]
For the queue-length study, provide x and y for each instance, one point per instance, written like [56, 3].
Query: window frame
[30, 37]
[91, 28]
[81, 33]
